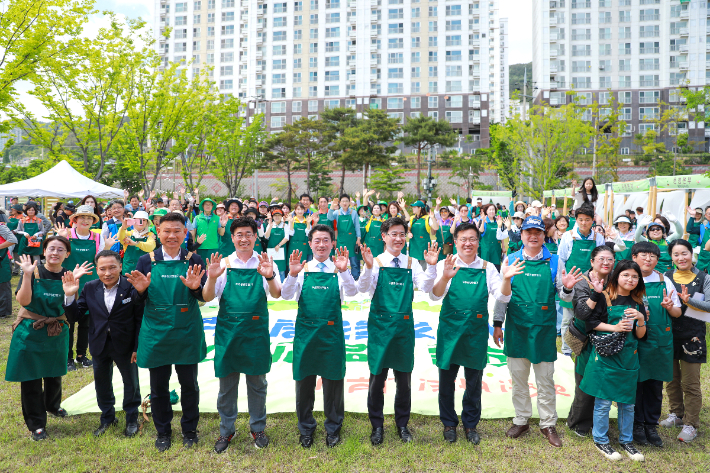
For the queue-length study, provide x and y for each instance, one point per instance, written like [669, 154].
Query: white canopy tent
[61, 181]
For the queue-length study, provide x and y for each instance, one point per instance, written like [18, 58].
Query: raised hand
[439, 200]
[214, 266]
[141, 193]
[597, 283]
[357, 195]
[452, 202]
[341, 259]
[366, 254]
[574, 183]
[194, 277]
[27, 265]
[61, 230]
[201, 238]
[377, 196]
[684, 296]
[571, 278]
[139, 280]
[70, 284]
[667, 302]
[507, 271]
[153, 193]
[611, 233]
[295, 263]
[431, 256]
[450, 268]
[499, 220]
[400, 195]
[334, 203]
[266, 266]
[125, 195]
[84, 269]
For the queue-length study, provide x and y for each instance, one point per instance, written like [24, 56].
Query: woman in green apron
[444, 236]
[16, 216]
[420, 232]
[656, 233]
[552, 238]
[613, 378]
[40, 338]
[299, 228]
[363, 219]
[225, 246]
[491, 235]
[277, 234]
[208, 224]
[32, 229]
[136, 242]
[373, 236]
[626, 233]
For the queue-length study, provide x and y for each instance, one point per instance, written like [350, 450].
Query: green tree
[279, 151]
[649, 142]
[388, 180]
[665, 165]
[501, 157]
[338, 120]
[423, 133]
[319, 180]
[467, 168]
[312, 137]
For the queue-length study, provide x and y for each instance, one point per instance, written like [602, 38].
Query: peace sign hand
[450, 268]
[341, 259]
[266, 266]
[431, 256]
[571, 278]
[214, 266]
[667, 302]
[295, 263]
[194, 277]
[684, 296]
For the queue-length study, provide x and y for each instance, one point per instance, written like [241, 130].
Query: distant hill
[515, 74]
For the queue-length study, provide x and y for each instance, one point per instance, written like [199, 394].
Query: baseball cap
[419, 203]
[533, 223]
[536, 203]
[519, 215]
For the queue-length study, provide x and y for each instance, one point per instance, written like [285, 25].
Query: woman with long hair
[444, 236]
[90, 200]
[373, 236]
[587, 192]
[492, 232]
[613, 378]
[420, 231]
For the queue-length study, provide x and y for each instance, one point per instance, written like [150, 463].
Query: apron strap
[409, 263]
[152, 256]
[37, 272]
[188, 256]
[379, 263]
[485, 263]
[227, 263]
[608, 299]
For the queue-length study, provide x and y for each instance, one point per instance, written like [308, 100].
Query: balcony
[683, 66]
[352, 33]
[683, 31]
[553, 84]
[553, 37]
[475, 105]
[373, 47]
[374, 3]
[648, 83]
[258, 83]
[259, 54]
[352, 48]
[683, 48]
[374, 61]
[707, 130]
[352, 62]
[650, 17]
[553, 20]
[260, 13]
[259, 39]
[352, 79]
[685, 14]
[475, 120]
[553, 68]
[554, 101]
[258, 69]
[553, 53]
[352, 6]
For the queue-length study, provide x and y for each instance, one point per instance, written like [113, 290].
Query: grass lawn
[72, 446]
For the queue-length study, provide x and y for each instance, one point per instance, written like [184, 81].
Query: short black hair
[306, 195]
[323, 197]
[242, 222]
[342, 196]
[321, 228]
[585, 209]
[107, 254]
[599, 249]
[645, 247]
[392, 222]
[172, 217]
[134, 196]
[467, 226]
[120, 202]
[63, 240]
[631, 212]
[680, 242]
[468, 200]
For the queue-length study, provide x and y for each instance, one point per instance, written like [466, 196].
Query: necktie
[396, 262]
[321, 266]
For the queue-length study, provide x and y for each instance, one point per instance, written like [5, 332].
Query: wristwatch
[273, 275]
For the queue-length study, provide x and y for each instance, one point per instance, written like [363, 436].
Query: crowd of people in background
[626, 295]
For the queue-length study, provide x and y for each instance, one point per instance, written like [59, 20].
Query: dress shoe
[61, 412]
[163, 443]
[332, 440]
[131, 429]
[517, 430]
[222, 443]
[377, 436]
[39, 434]
[104, 427]
[306, 441]
[640, 434]
[189, 439]
[450, 434]
[552, 437]
[652, 436]
[473, 436]
[405, 434]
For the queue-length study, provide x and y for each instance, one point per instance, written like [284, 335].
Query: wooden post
[606, 201]
[564, 205]
[610, 216]
[686, 235]
[652, 198]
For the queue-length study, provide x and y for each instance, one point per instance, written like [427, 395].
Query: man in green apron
[320, 286]
[170, 280]
[207, 223]
[531, 330]
[656, 350]
[390, 280]
[241, 281]
[464, 282]
[348, 230]
[6, 270]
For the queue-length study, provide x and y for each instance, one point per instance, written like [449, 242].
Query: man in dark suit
[115, 314]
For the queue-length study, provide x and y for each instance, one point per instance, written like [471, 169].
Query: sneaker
[653, 437]
[631, 451]
[163, 442]
[189, 439]
[640, 434]
[580, 433]
[39, 434]
[608, 451]
[71, 366]
[688, 433]
[83, 362]
[222, 443]
[672, 421]
[61, 413]
[260, 439]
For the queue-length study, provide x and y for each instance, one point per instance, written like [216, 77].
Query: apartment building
[640, 50]
[292, 59]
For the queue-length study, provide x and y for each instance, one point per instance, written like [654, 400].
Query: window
[452, 56]
[416, 12]
[474, 101]
[648, 113]
[313, 76]
[197, 5]
[453, 40]
[395, 58]
[313, 91]
[296, 77]
[433, 102]
[312, 106]
[416, 27]
[278, 107]
[227, 43]
[280, 7]
[331, 103]
[395, 103]
[624, 64]
[279, 64]
[279, 36]
[650, 31]
[581, 50]
[454, 116]
[604, 82]
[332, 61]
[395, 43]
[332, 3]
[649, 96]
[433, 26]
[395, 13]
[433, 71]
[395, 88]
[415, 102]
[279, 21]
[297, 48]
[181, 33]
[453, 10]
[332, 90]
[297, 63]
[226, 57]
[227, 3]
[649, 47]
[395, 73]
[395, 28]
[581, 34]
[605, 49]
[332, 17]
[433, 11]
[604, 17]
[454, 71]
[298, 20]
[180, 20]
[624, 17]
[416, 72]
[278, 121]
[416, 42]
[649, 15]
[581, 66]
[376, 104]
[332, 76]
[227, 30]
[279, 50]
[453, 25]
[650, 64]
[624, 49]
[226, 84]
[625, 97]
[180, 47]
[210, 17]
[454, 101]
[624, 32]
[416, 57]
[649, 81]
[228, 16]
[581, 18]
[433, 41]
[313, 48]
[433, 56]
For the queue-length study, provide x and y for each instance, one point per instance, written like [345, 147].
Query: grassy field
[72, 446]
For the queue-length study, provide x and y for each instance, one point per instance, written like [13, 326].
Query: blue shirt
[333, 215]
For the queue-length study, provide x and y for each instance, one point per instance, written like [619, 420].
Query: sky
[518, 12]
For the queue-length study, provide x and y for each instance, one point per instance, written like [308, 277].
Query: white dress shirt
[236, 263]
[493, 279]
[292, 286]
[422, 280]
[167, 257]
[110, 296]
[670, 288]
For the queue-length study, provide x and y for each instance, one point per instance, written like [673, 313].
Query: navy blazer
[124, 320]
[144, 265]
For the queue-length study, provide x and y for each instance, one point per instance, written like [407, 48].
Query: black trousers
[6, 299]
[82, 335]
[103, 382]
[402, 398]
[333, 404]
[471, 405]
[160, 397]
[649, 402]
[581, 413]
[36, 402]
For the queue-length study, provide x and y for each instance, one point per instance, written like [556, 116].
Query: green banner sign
[693, 181]
[482, 193]
[642, 185]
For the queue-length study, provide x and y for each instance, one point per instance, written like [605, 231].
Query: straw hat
[84, 210]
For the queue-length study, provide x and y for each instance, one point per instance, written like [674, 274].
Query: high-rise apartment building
[640, 50]
[292, 59]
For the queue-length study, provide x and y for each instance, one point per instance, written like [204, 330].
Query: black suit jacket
[144, 262]
[124, 320]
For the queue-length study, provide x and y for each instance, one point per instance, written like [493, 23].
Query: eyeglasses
[604, 260]
[396, 235]
[628, 277]
[323, 241]
[58, 251]
[467, 240]
[243, 236]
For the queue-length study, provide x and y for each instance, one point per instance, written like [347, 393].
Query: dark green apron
[373, 238]
[226, 245]
[656, 351]
[665, 263]
[551, 247]
[241, 337]
[172, 332]
[390, 324]
[82, 251]
[444, 237]
[462, 336]
[581, 257]
[299, 240]
[626, 254]
[257, 245]
[33, 354]
[12, 224]
[613, 378]
[531, 320]
[491, 249]
[277, 235]
[513, 246]
[346, 233]
[5, 266]
[319, 344]
[420, 239]
[704, 256]
[132, 254]
[23, 249]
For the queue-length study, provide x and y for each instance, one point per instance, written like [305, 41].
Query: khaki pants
[685, 398]
[546, 396]
[567, 316]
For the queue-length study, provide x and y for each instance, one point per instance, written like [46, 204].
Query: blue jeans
[227, 402]
[600, 430]
[560, 314]
[355, 267]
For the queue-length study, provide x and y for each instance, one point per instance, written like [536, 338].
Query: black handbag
[608, 344]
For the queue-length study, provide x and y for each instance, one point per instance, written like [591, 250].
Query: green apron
[319, 344]
[531, 320]
[390, 324]
[257, 245]
[23, 249]
[346, 233]
[211, 228]
[171, 332]
[363, 231]
[580, 257]
[665, 263]
[12, 224]
[462, 336]
[513, 246]
[299, 240]
[656, 351]
[626, 254]
[33, 354]
[82, 251]
[241, 337]
[704, 256]
[277, 235]
[131, 255]
[226, 245]
[613, 378]
[444, 237]
[5, 266]
[551, 247]
[491, 250]
[373, 238]
[420, 239]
